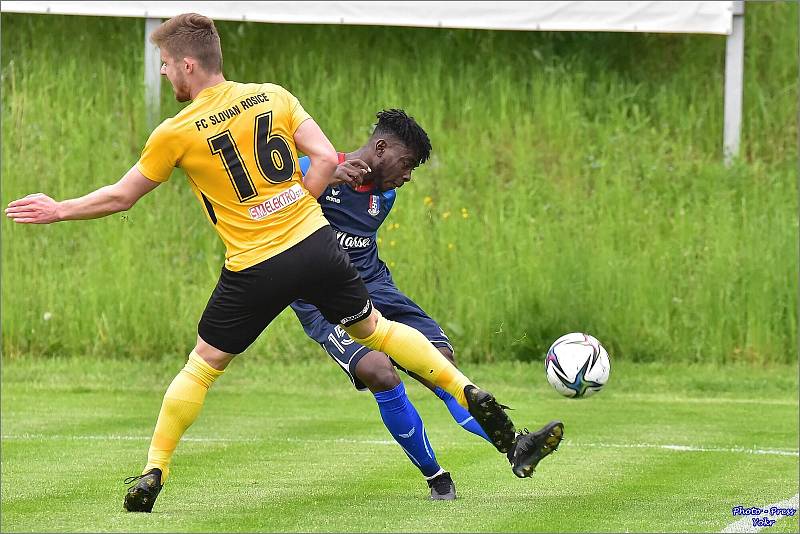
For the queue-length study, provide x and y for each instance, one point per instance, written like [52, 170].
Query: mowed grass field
[294, 448]
[576, 184]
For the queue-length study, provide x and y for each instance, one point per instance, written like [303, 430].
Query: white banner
[657, 17]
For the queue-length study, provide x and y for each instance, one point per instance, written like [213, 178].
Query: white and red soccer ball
[577, 365]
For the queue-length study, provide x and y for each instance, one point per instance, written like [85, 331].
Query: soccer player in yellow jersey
[237, 144]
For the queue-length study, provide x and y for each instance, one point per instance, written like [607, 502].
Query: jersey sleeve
[160, 155]
[297, 115]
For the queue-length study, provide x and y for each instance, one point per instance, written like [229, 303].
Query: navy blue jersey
[356, 215]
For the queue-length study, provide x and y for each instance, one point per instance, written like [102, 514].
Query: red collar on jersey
[363, 188]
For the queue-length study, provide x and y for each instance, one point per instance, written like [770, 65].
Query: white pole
[152, 74]
[734, 73]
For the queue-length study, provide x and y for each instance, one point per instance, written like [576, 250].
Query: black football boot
[142, 496]
[442, 487]
[530, 448]
[492, 417]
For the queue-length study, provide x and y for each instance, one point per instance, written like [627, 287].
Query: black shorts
[316, 270]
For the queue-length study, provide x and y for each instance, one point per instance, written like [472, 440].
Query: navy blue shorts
[392, 304]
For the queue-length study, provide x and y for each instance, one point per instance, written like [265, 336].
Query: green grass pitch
[294, 448]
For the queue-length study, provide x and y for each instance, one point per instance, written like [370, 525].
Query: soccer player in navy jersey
[397, 146]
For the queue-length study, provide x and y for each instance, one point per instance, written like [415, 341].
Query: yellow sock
[182, 403]
[408, 347]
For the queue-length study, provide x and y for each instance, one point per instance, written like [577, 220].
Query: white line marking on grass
[343, 440]
[62, 437]
[667, 447]
[745, 524]
[702, 400]
[59, 437]
[689, 448]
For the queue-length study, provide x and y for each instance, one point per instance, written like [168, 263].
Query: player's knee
[377, 372]
[213, 356]
[365, 327]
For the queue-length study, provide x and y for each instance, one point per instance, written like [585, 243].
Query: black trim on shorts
[353, 319]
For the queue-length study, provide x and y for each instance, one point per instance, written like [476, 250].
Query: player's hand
[351, 172]
[36, 208]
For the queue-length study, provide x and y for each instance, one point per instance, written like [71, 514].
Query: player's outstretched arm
[39, 208]
[311, 140]
[350, 172]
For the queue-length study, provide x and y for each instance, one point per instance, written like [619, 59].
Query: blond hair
[191, 35]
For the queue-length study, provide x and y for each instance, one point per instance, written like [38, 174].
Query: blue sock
[460, 414]
[405, 425]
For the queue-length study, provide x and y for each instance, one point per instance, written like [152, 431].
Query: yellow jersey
[235, 142]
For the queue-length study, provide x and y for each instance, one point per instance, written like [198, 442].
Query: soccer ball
[577, 365]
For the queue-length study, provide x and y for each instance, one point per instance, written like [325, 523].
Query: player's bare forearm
[320, 174]
[39, 208]
[316, 182]
[311, 140]
[100, 203]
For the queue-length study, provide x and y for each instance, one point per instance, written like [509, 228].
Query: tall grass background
[576, 184]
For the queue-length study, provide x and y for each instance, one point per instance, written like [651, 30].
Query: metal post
[152, 74]
[734, 73]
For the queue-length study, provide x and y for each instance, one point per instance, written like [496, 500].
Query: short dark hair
[191, 35]
[396, 123]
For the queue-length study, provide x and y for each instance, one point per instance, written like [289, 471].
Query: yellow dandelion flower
[397, 225]
[391, 264]
[391, 243]
[464, 214]
[445, 215]
[427, 201]
[450, 246]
